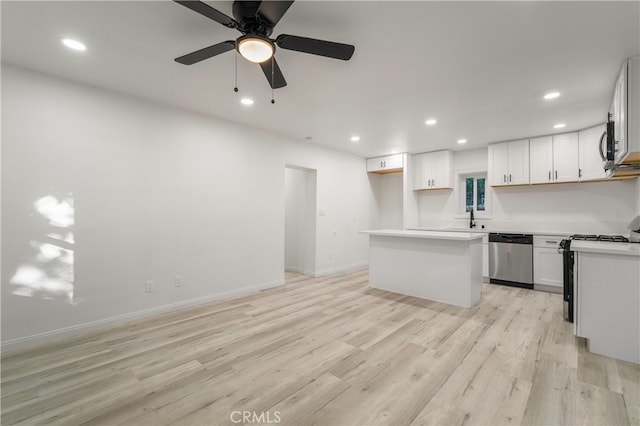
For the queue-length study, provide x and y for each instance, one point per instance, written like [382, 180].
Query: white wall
[388, 190]
[154, 192]
[300, 212]
[294, 219]
[590, 207]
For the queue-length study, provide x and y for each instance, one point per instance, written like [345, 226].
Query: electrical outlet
[618, 216]
[178, 281]
[148, 287]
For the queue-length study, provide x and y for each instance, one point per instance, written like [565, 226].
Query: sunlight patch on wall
[48, 273]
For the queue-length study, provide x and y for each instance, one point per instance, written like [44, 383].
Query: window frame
[461, 194]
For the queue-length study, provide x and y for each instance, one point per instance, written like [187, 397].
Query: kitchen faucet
[472, 222]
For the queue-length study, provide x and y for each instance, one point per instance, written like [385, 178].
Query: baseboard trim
[38, 338]
[548, 288]
[345, 269]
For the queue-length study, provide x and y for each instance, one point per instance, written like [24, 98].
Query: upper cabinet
[387, 164]
[509, 163]
[433, 170]
[554, 158]
[541, 159]
[589, 160]
[565, 157]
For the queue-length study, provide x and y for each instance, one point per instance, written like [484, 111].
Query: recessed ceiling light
[74, 44]
[462, 141]
[246, 101]
[559, 126]
[431, 122]
[551, 95]
[355, 138]
[395, 151]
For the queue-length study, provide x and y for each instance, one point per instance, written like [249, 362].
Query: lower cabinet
[485, 257]
[547, 263]
[607, 304]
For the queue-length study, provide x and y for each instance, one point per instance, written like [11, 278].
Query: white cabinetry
[485, 257]
[565, 157]
[547, 263]
[554, 158]
[432, 170]
[509, 163]
[589, 160]
[541, 159]
[607, 303]
[386, 164]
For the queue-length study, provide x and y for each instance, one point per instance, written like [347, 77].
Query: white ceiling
[480, 68]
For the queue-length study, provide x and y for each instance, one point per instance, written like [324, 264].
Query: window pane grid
[480, 194]
[475, 194]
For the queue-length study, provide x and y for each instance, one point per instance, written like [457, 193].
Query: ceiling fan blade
[272, 11]
[209, 12]
[276, 79]
[206, 53]
[329, 49]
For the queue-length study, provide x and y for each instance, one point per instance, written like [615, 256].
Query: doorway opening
[300, 221]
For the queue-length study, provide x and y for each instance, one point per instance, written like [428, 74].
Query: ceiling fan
[256, 20]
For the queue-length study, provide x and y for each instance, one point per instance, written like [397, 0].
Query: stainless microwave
[620, 143]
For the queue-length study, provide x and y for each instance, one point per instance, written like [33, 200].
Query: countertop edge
[491, 231]
[603, 247]
[434, 235]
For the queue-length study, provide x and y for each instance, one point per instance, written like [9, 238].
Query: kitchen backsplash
[595, 207]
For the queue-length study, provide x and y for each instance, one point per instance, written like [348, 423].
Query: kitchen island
[435, 265]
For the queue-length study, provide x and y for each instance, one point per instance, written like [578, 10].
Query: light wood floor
[328, 351]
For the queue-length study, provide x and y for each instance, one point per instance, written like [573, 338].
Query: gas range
[593, 237]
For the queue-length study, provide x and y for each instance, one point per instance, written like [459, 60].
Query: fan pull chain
[235, 88]
[273, 61]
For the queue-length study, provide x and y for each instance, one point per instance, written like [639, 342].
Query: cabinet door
[541, 159]
[498, 164]
[441, 169]
[565, 157]
[589, 160]
[394, 161]
[373, 164]
[485, 260]
[422, 167]
[518, 161]
[547, 266]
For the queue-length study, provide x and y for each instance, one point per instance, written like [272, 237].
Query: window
[473, 192]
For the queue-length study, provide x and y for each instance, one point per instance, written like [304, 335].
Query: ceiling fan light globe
[255, 49]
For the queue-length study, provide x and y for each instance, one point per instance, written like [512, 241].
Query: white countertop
[487, 231]
[605, 247]
[437, 235]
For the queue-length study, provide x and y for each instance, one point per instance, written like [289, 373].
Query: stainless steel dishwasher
[511, 259]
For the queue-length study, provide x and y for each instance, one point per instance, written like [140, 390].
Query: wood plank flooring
[328, 351]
